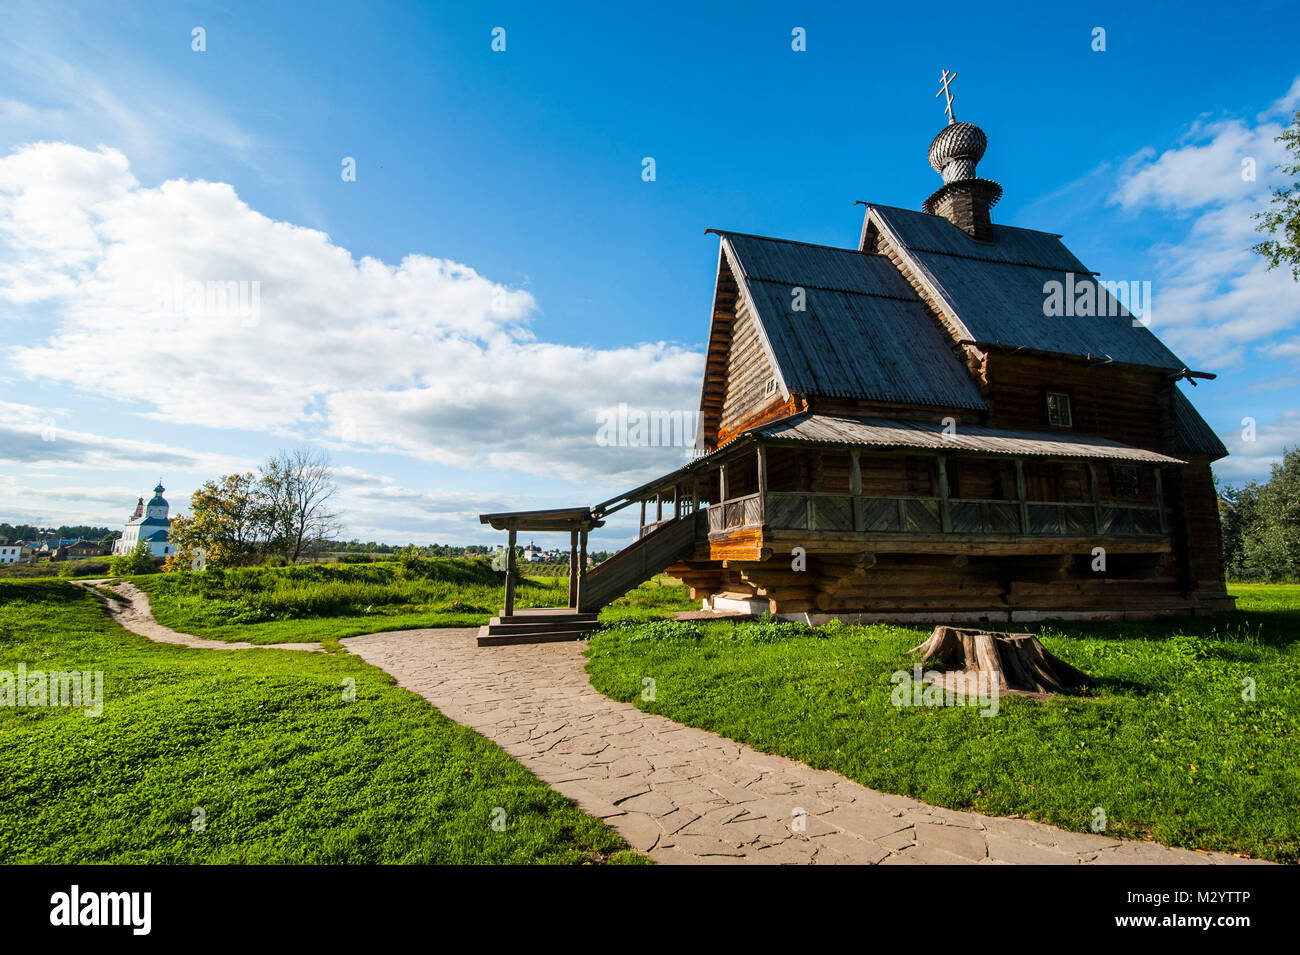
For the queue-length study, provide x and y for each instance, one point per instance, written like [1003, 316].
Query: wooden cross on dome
[945, 80]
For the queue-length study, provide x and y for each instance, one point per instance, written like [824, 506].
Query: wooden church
[903, 431]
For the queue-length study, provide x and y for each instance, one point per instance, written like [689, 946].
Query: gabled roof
[864, 333]
[997, 289]
[1192, 432]
[931, 436]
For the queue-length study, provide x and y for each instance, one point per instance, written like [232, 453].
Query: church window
[1058, 410]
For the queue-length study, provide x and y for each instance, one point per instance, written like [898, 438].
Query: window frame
[1069, 409]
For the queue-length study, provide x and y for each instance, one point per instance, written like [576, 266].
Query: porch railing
[847, 513]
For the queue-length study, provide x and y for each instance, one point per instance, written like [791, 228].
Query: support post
[573, 568]
[1160, 500]
[582, 566]
[855, 489]
[945, 514]
[677, 500]
[1022, 495]
[762, 484]
[695, 496]
[659, 506]
[722, 483]
[510, 574]
[1095, 493]
[643, 515]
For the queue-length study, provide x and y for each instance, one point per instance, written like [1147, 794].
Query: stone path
[136, 616]
[685, 795]
[688, 795]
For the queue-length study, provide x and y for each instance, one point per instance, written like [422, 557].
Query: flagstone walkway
[685, 795]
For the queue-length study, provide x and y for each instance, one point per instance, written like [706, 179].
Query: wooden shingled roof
[863, 332]
[1192, 432]
[968, 439]
[996, 290]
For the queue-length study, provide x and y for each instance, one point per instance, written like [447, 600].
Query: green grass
[284, 768]
[1165, 744]
[326, 602]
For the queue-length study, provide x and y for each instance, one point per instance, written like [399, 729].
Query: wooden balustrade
[847, 513]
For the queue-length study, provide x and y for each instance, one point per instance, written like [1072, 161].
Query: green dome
[157, 499]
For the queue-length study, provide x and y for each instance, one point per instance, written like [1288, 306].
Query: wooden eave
[561, 519]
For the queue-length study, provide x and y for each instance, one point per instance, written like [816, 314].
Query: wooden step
[525, 620]
[486, 639]
[541, 627]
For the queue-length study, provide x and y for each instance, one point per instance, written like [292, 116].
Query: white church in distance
[150, 524]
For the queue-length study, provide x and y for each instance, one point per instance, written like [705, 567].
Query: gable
[862, 332]
[750, 384]
[997, 290]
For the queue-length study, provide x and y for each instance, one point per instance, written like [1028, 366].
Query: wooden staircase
[665, 545]
[541, 625]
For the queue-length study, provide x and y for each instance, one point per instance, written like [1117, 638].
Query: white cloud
[52, 504]
[425, 357]
[1215, 300]
[1253, 459]
[42, 438]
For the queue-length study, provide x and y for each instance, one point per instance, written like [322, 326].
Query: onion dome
[956, 150]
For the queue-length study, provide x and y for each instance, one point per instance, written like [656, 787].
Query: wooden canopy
[562, 519]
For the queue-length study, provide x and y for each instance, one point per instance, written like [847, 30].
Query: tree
[1233, 503]
[1261, 524]
[1282, 221]
[225, 526]
[138, 561]
[1272, 542]
[296, 488]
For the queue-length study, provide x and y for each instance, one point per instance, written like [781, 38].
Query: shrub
[657, 630]
[84, 568]
[138, 561]
[769, 631]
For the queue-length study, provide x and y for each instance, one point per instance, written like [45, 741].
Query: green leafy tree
[1272, 540]
[137, 561]
[1237, 514]
[1281, 221]
[225, 526]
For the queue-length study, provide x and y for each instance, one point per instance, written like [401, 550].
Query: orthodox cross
[945, 80]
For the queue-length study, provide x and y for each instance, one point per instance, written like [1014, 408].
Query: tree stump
[1014, 662]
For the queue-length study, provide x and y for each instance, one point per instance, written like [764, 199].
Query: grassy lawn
[1165, 745]
[326, 602]
[284, 769]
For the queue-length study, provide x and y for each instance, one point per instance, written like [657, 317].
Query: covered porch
[837, 483]
[576, 521]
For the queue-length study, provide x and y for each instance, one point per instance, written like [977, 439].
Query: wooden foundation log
[1016, 662]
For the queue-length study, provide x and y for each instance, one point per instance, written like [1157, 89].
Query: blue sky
[449, 324]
